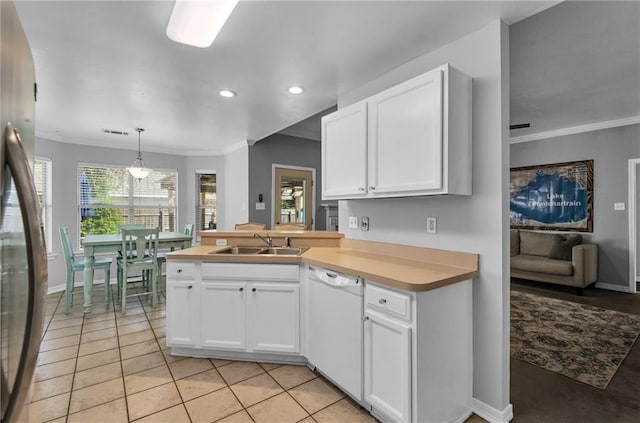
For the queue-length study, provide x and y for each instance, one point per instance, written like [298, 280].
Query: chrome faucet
[266, 240]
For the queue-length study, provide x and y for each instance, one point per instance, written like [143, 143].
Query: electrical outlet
[618, 206]
[431, 225]
[353, 222]
[364, 223]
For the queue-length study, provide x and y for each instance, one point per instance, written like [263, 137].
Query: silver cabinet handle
[382, 301]
[361, 189]
[190, 286]
[13, 156]
[365, 318]
[372, 188]
[179, 270]
[241, 289]
[253, 290]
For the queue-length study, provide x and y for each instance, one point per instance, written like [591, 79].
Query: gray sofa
[555, 258]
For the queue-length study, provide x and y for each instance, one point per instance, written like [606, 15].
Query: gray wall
[286, 150]
[65, 159]
[476, 223]
[638, 222]
[610, 150]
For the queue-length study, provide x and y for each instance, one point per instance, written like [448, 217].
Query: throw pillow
[561, 246]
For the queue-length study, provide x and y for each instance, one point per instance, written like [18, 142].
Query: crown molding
[633, 120]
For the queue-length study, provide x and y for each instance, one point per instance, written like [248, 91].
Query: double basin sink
[286, 251]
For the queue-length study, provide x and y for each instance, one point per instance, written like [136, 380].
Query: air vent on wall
[115, 132]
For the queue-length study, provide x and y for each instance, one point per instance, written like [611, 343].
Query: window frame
[130, 206]
[46, 212]
[199, 206]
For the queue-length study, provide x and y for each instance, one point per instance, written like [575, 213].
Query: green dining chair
[139, 254]
[78, 265]
[130, 226]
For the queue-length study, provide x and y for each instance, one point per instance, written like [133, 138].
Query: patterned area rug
[580, 341]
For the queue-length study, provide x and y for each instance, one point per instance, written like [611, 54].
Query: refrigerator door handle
[14, 157]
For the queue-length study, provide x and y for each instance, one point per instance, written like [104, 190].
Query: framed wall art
[556, 196]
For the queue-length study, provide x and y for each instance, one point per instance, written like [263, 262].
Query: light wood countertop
[404, 267]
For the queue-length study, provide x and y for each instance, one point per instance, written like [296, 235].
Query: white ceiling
[109, 65]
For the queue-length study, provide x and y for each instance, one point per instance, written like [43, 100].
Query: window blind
[42, 178]
[109, 196]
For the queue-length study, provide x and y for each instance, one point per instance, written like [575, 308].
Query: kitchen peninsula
[414, 315]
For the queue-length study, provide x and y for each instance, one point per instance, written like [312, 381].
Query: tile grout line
[164, 358]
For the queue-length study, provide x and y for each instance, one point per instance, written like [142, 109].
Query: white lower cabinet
[387, 363]
[273, 312]
[418, 353]
[183, 305]
[234, 307]
[223, 315]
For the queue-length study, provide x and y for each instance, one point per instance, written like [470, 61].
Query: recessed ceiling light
[296, 89]
[227, 93]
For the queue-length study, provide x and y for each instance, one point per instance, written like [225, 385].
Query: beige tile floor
[115, 367]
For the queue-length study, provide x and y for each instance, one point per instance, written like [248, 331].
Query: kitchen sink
[239, 250]
[289, 251]
[286, 251]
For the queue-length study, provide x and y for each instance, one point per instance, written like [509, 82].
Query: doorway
[293, 194]
[634, 224]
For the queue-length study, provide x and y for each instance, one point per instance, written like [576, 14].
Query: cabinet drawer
[247, 272]
[181, 269]
[391, 302]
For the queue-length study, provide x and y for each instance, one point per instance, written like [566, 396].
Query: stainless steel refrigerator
[23, 259]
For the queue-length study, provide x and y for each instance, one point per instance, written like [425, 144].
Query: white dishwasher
[335, 329]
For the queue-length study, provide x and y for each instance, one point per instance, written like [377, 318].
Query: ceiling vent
[115, 132]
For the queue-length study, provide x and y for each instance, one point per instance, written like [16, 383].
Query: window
[42, 177]
[109, 196]
[206, 201]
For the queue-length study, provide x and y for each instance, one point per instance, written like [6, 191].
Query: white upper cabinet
[344, 145]
[417, 140]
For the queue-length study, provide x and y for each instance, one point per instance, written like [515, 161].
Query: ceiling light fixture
[227, 93]
[296, 89]
[138, 169]
[197, 23]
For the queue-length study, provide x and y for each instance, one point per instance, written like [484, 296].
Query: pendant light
[138, 169]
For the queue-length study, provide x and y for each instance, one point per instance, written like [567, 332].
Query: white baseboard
[612, 287]
[490, 414]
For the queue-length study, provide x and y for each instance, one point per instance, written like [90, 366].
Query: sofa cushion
[535, 243]
[539, 264]
[515, 242]
[562, 245]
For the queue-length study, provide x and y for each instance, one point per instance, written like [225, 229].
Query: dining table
[112, 243]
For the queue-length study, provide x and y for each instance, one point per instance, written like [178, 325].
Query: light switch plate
[432, 225]
[221, 242]
[618, 206]
[364, 223]
[260, 206]
[353, 222]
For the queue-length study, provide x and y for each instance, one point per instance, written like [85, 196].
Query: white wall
[475, 224]
[235, 188]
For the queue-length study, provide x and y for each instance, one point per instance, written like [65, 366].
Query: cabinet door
[223, 314]
[344, 153]
[274, 317]
[405, 136]
[183, 311]
[387, 367]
